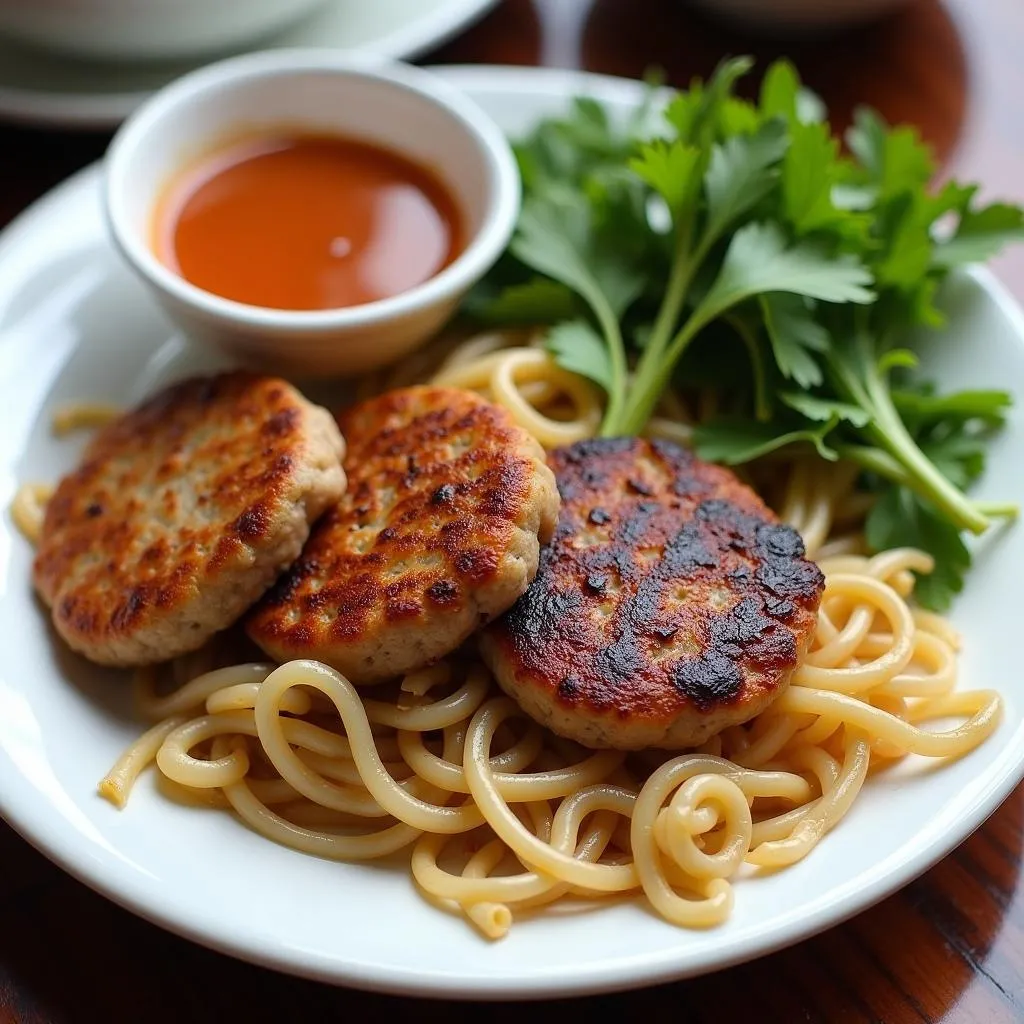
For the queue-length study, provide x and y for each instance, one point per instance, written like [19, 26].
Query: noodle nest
[499, 816]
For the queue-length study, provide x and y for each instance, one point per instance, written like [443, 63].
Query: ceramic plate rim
[106, 111]
[894, 872]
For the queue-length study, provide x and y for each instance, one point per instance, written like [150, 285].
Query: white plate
[74, 325]
[42, 88]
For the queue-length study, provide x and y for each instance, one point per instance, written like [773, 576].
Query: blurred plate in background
[40, 88]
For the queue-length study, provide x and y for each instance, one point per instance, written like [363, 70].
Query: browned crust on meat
[437, 533]
[182, 513]
[670, 603]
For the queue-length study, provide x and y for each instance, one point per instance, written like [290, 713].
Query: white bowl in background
[398, 107]
[139, 30]
[798, 15]
[146, 30]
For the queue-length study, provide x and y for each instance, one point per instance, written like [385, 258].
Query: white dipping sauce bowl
[397, 107]
[147, 29]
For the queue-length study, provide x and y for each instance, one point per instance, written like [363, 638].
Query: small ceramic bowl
[146, 29]
[394, 106]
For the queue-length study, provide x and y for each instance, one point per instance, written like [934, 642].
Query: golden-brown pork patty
[182, 513]
[670, 604]
[439, 531]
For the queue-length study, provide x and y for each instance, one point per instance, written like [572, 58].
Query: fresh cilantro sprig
[748, 218]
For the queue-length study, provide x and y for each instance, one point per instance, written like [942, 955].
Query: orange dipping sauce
[306, 223]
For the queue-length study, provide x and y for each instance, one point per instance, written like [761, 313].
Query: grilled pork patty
[439, 531]
[670, 604]
[182, 513]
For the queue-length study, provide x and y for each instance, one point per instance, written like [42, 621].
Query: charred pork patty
[440, 530]
[670, 604]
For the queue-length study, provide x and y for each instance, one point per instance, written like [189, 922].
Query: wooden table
[948, 947]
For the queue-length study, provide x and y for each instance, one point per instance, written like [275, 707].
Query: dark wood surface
[950, 946]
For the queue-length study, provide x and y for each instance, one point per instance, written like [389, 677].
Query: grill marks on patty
[182, 513]
[439, 531]
[670, 604]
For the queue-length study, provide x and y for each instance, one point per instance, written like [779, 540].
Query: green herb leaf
[760, 260]
[951, 198]
[670, 169]
[866, 139]
[577, 347]
[981, 234]
[590, 116]
[898, 358]
[733, 441]
[922, 408]
[784, 260]
[853, 197]
[684, 111]
[794, 335]
[895, 159]
[738, 117]
[810, 108]
[953, 430]
[554, 238]
[807, 173]
[908, 252]
[537, 301]
[782, 95]
[900, 519]
[694, 114]
[823, 409]
[959, 455]
[719, 90]
[557, 236]
[908, 162]
[779, 89]
[741, 173]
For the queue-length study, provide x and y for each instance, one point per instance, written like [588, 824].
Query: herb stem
[652, 376]
[890, 433]
[897, 456]
[762, 404]
[998, 509]
[675, 293]
[609, 324]
[873, 460]
[652, 359]
[880, 462]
